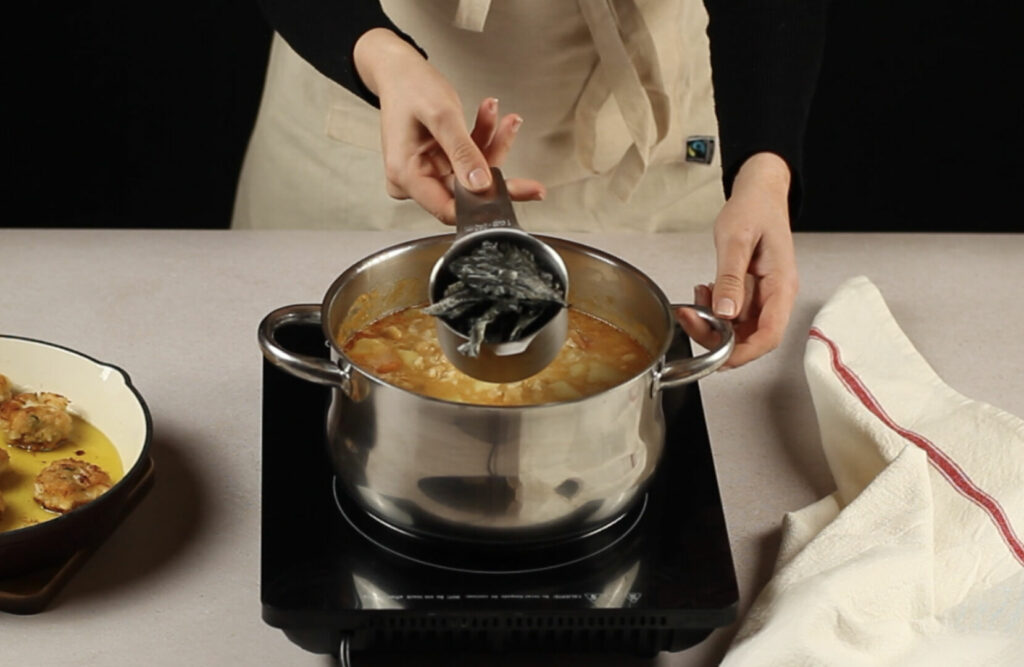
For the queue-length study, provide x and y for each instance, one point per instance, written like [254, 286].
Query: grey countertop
[178, 582]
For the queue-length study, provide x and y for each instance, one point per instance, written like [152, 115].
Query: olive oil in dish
[86, 443]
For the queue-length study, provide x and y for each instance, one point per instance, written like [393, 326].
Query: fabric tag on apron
[700, 149]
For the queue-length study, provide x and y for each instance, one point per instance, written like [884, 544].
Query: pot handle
[311, 369]
[690, 369]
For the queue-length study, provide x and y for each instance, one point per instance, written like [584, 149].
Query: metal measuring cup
[488, 216]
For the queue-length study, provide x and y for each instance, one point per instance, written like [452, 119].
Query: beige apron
[610, 91]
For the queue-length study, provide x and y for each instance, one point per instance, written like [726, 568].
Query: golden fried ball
[69, 483]
[37, 422]
[5, 388]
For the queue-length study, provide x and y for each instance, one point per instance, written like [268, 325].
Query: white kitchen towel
[917, 558]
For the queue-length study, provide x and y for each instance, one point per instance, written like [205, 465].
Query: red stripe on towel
[946, 466]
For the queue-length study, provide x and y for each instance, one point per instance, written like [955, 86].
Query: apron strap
[471, 14]
[628, 69]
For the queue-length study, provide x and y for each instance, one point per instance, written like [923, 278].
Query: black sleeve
[765, 59]
[324, 33]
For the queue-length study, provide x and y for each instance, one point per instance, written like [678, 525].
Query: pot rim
[390, 251]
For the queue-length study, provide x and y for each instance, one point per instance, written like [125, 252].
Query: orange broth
[402, 349]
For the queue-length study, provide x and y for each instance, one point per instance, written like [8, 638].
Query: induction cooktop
[338, 581]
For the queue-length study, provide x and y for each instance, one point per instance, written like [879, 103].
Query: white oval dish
[101, 394]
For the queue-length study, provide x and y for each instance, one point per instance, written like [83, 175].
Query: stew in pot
[402, 349]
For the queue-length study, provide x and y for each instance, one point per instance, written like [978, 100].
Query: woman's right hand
[424, 138]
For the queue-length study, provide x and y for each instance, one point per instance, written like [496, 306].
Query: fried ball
[69, 483]
[5, 388]
[5, 462]
[38, 422]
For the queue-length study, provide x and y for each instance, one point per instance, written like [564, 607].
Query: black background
[133, 113]
[916, 124]
[130, 114]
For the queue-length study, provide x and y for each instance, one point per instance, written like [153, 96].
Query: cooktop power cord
[345, 651]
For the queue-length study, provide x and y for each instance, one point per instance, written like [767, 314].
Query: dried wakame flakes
[499, 292]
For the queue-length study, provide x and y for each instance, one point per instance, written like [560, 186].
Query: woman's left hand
[756, 281]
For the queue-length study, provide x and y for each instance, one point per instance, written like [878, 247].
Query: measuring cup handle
[491, 209]
[306, 367]
[690, 369]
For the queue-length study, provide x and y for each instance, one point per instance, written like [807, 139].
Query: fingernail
[492, 105]
[518, 121]
[725, 307]
[696, 294]
[478, 178]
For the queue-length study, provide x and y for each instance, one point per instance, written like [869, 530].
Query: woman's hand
[756, 281]
[424, 138]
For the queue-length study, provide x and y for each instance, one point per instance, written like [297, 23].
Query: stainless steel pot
[481, 473]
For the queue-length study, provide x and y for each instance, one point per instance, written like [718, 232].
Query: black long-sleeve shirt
[765, 57]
